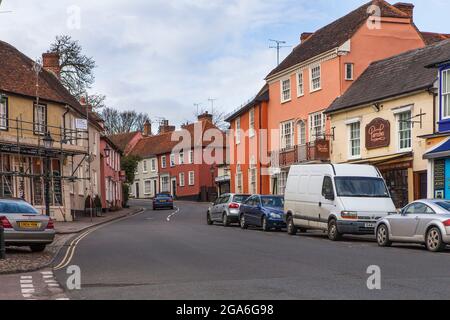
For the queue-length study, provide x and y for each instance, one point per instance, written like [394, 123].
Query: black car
[163, 201]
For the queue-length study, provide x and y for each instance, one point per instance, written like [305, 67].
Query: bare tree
[96, 101]
[123, 121]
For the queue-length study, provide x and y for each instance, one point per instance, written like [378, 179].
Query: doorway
[137, 190]
[174, 187]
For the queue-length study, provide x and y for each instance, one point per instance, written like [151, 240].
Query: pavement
[175, 255]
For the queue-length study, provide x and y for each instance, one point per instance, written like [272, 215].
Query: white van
[340, 199]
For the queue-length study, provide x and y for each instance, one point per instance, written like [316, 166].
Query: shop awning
[441, 151]
[382, 159]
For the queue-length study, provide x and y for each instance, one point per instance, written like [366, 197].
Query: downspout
[259, 147]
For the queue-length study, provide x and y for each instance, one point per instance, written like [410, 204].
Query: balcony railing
[318, 150]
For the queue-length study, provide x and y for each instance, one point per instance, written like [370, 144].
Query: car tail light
[234, 205]
[51, 224]
[5, 223]
[447, 223]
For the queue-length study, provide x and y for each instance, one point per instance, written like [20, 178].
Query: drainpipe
[259, 147]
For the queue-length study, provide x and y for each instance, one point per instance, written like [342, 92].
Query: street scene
[227, 151]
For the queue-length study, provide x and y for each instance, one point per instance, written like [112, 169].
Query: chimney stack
[165, 128]
[205, 117]
[50, 62]
[305, 36]
[147, 129]
[405, 7]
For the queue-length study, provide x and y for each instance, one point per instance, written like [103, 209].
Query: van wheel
[242, 223]
[333, 233]
[383, 236]
[291, 228]
[208, 219]
[434, 240]
[225, 221]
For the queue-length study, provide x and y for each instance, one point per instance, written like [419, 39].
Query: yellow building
[380, 118]
[43, 136]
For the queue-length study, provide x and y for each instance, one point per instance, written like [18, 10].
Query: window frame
[445, 94]
[312, 135]
[288, 90]
[352, 71]
[172, 160]
[6, 103]
[301, 133]
[251, 121]
[181, 178]
[238, 130]
[35, 124]
[319, 77]
[191, 174]
[300, 84]
[352, 156]
[400, 131]
[181, 157]
[283, 135]
[163, 162]
[144, 166]
[191, 156]
[145, 185]
[153, 165]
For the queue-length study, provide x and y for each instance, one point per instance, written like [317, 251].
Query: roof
[433, 37]
[398, 75]
[162, 143]
[335, 34]
[123, 139]
[17, 77]
[112, 144]
[263, 95]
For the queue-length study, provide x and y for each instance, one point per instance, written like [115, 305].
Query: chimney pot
[50, 62]
[205, 117]
[405, 7]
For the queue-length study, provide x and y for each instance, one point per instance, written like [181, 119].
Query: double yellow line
[73, 245]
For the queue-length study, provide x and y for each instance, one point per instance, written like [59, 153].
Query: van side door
[327, 199]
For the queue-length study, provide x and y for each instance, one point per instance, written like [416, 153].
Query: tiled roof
[163, 144]
[263, 95]
[123, 139]
[398, 75]
[17, 77]
[335, 34]
[432, 37]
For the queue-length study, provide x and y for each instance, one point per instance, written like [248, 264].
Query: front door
[174, 188]
[423, 185]
[137, 190]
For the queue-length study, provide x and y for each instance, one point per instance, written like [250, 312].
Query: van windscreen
[361, 187]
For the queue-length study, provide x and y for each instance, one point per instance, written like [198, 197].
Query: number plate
[29, 225]
[369, 225]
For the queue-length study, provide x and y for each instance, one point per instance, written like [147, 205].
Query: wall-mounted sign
[378, 134]
[322, 150]
[81, 124]
[439, 175]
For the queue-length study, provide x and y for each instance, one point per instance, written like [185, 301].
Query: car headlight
[353, 215]
[275, 215]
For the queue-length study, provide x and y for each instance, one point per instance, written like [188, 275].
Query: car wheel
[154, 209]
[291, 228]
[383, 236]
[434, 240]
[38, 247]
[225, 221]
[333, 233]
[265, 224]
[242, 222]
[208, 219]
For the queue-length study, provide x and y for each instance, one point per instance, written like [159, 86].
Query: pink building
[111, 175]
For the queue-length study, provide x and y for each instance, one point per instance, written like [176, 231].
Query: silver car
[423, 222]
[25, 226]
[226, 209]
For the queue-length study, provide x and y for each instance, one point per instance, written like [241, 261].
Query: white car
[340, 199]
[423, 222]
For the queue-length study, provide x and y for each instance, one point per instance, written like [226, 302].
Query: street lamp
[48, 144]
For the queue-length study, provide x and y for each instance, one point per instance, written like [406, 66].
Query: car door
[215, 208]
[423, 221]
[257, 211]
[248, 210]
[405, 224]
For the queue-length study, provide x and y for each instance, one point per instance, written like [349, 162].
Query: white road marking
[27, 287]
[171, 215]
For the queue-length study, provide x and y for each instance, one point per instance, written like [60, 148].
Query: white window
[349, 71]
[181, 157]
[172, 160]
[181, 178]
[301, 133]
[252, 122]
[355, 139]
[145, 166]
[40, 117]
[287, 135]
[153, 165]
[252, 179]
[300, 87]
[3, 113]
[282, 179]
[316, 126]
[315, 78]
[445, 92]
[147, 187]
[404, 131]
[191, 178]
[238, 130]
[165, 184]
[239, 180]
[191, 156]
[163, 162]
[285, 90]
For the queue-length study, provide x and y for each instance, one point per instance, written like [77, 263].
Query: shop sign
[378, 134]
[322, 149]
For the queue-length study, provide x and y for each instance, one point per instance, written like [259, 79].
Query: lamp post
[48, 144]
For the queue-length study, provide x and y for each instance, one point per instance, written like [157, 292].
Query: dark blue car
[263, 211]
[163, 201]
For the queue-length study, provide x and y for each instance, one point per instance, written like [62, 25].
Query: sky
[164, 56]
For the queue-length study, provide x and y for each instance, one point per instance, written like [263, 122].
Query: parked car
[25, 226]
[226, 209]
[340, 199]
[263, 211]
[163, 201]
[423, 222]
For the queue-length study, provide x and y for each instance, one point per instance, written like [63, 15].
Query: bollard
[2, 243]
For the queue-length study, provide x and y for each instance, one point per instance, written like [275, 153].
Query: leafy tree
[129, 164]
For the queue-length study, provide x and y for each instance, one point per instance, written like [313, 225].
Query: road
[149, 257]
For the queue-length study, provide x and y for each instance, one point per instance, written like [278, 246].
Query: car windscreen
[444, 205]
[10, 207]
[361, 187]
[240, 198]
[272, 202]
